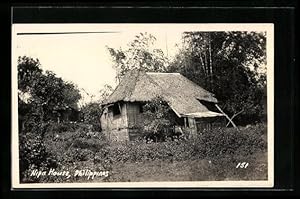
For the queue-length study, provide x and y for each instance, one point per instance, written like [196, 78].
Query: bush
[217, 151]
[158, 117]
[54, 127]
[33, 155]
[227, 141]
[70, 147]
[93, 144]
[216, 143]
[72, 150]
[224, 147]
[91, 113]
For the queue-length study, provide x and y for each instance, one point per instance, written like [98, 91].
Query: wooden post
[120, 109]
[227, 117]
[236, 114]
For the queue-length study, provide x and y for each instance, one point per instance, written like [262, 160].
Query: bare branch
[227, 117]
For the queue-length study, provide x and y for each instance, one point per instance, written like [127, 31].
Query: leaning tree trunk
[230, 120]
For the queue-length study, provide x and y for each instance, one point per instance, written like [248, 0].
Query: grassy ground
[190, 170]
[211, 156]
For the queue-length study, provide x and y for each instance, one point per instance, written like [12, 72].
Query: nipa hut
[193, 106]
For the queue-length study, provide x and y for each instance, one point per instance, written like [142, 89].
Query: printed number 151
[242, 165]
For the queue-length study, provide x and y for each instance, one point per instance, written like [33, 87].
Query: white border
[268, 27]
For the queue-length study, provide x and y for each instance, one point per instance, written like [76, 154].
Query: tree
[105, 92]
[40, 96]
[91, 114]
[93, 110]
[46, 93]
[140, 54]
[227, 64]
[28, 70]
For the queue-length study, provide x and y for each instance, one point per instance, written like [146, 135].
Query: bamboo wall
[115, 127]
[124, 127]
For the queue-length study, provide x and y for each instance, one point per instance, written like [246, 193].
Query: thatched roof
[180, 93]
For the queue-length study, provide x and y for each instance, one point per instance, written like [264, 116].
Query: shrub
[224, 147]
[215, 143]
[53, 127]
[226, 141]
[95, 144]
[70, 147]
[91, 113]
[158, 117]
[33, 155]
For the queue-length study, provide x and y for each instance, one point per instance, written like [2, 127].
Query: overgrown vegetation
[91, 112]
[232, 65]
[42, 97]
[225, 63]
[218, 150]
[158, 118]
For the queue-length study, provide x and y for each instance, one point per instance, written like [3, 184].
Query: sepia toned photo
[142, 105]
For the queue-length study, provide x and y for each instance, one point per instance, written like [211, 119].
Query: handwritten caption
[89, 174]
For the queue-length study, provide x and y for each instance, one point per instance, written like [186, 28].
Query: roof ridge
[136, 75]
[129, 73]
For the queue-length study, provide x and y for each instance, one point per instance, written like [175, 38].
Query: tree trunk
[206, 65]
[210, 61]
[202, 64]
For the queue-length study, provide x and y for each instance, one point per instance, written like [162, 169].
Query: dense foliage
[84, 148]
[41, 97]
[91, 113]
[158, 118]
[212, 144]
[232, 65]
[43, 92]
[225, 63]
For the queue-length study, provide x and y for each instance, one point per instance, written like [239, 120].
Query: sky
[84, 59]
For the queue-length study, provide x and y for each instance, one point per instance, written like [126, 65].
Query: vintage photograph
[142, 105]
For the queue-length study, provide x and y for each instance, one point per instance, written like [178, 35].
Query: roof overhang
[203, 114]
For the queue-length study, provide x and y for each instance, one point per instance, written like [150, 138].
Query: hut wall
[192, 125]
[135, 120]
[115, 126]
[134, 115]
[209, 123]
